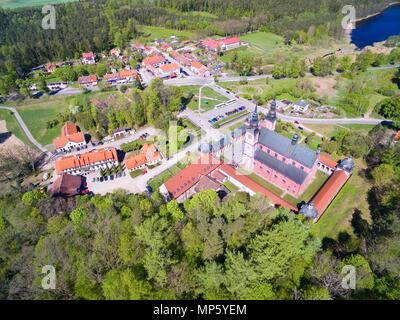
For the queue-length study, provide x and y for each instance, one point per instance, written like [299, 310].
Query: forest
[99, 25]
[123, 246]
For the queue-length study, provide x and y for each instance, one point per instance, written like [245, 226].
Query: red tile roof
[210, 43]
[252, 185]
[397, 137]
[326, 160]
[88, 55]
[69, 133]
[148, 153]
[329, 191]
[128, 74]
[111, 76]
[87, 79]
[188, 177]
[229, 41]
[85, 159]
[197, 65]
[170, 67]
[153, 59]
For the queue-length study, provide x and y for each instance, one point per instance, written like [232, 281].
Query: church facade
[281, 161]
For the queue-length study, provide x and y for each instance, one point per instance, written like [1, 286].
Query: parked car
[296, 122]
[101, 179]
[149, 189]
[93, 179]
[300, 128]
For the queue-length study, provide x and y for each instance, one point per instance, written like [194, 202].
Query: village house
[169, 70]
[88, 58]
[148, 156]
[181, 58]
[153, 62]
[115, 52]
[71, 138]
[300, 106]
[165, 46]
[121, 132]
[199, 68]
[55, 86]
[88, 81]
[122, 77]
[90, 161]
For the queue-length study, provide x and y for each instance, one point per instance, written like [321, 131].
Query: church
[279, 160]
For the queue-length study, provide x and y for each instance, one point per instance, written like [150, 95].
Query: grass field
[161, 33]
[13, 126]
[263, 40]
[11, 4]
[209, 98]
[262, 182]
[330, 130]
[337, 217]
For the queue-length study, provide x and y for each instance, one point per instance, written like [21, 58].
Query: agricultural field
[11, 4]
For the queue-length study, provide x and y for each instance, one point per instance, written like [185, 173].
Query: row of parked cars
[227, 114]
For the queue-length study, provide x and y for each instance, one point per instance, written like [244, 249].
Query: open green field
[161, 33]
[209, 98]
[337, 218]
[13, 126]
[11, 4]
[329, 130]
[263, 40]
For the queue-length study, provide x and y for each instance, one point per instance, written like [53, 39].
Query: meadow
[152, 33]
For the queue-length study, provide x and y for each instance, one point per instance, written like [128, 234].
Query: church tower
[250, 140]
[270, 119]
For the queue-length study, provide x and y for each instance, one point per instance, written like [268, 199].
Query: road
[26, 130]
[391, 66]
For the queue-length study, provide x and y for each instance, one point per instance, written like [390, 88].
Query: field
[329, 130]
[264, 41]
[11, 4]
[161, 33]
[209, 98]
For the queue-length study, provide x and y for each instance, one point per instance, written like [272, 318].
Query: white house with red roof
[71, 138]
[169, 70]
[90, 80]
[221, 44]
[199, 68]
[153, 62]
[88, 58]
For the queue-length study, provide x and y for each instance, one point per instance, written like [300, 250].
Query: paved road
[391, 66]
[249, 78]
[26, 130]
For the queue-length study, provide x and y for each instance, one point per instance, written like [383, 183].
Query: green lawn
[337, 217]
[330, 130]
[209, 98]
[11, 4]
[36, 116]
[13, 126]
[191, 126]
[135, 173]
[230, 186]
[161, 33]
[265, 184]
[263, 40]
[156, 182]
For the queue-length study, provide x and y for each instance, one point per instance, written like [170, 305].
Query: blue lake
[377, 28]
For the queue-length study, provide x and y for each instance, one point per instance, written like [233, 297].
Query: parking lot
[219, 114]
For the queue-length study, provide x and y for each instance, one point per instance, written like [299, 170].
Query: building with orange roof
[86, 162]
[148, 156]
[71, 138]
[198, 68]
[90, 80]
[155, 61]
[221, 44]
[397, 136]
[167, 70]
[88, 58]
[324, 197]
[326, 164]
